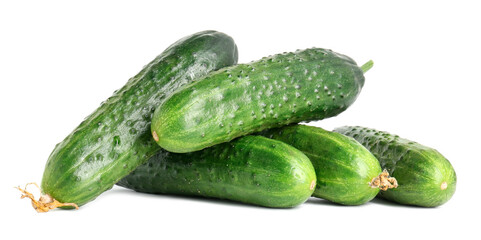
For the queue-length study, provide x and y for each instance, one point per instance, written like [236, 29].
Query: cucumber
[426, 178]
[287, 88]
[252, 169]
[115, 138]
[346, 171]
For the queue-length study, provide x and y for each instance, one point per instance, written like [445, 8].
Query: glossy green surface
[344, 168]
[286, 88]
[115, 138]
[251, 169]
[425, 177]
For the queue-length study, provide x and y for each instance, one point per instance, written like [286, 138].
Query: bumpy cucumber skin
[252, 169]
[344, 168]
[116, 138]
[286, 88]
[419, 170]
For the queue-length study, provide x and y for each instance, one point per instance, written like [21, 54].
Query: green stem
[367, 66]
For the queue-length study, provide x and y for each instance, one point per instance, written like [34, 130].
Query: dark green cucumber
[345, 169]
[116, 138]
[425, 177]
[251, 169]
[287, 88]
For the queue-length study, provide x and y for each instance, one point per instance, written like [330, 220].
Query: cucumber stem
[383, 181]
[367, 66]
[45, 203]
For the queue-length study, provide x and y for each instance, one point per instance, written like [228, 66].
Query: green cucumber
[426, 178]
[346, 171]
[115, 139]
[252, 169]
[287, 88]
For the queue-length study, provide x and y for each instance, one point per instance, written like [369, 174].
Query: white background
[59, 60]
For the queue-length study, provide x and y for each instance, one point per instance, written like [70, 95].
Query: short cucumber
[346, 171]
[115, 138]
[286, 88]
[425, 177]
[251, 169]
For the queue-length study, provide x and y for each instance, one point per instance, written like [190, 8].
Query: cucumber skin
[344, 168]
[419, 170]
[252, 169]
[115, 139]
[239, 100]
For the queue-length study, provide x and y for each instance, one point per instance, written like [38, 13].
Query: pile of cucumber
[194, 122]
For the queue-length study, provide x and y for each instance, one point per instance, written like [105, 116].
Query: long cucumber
[286, 88]
[115, 139]
[252, 169]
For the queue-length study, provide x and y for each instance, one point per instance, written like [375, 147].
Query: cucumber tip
[156, 137]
